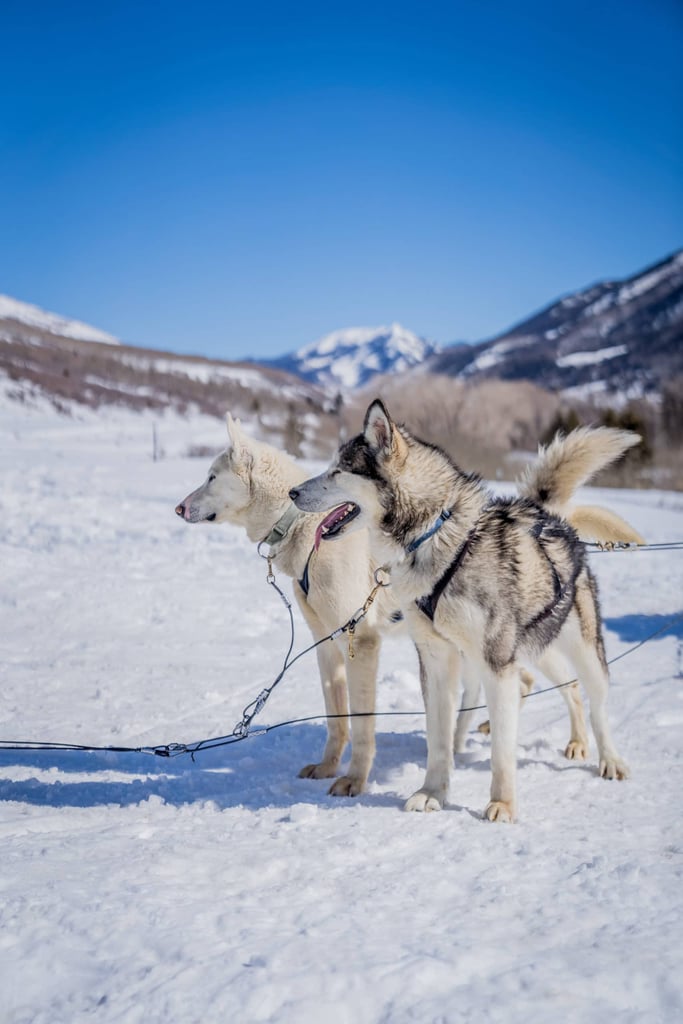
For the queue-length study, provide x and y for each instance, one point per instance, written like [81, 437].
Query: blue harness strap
[443, 518]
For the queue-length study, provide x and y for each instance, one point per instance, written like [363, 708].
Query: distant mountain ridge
[33, 316]
[347, 359]
[74, 366]
[615, 338]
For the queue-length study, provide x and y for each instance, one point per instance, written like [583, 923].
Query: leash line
[176, 749]
[601, 548]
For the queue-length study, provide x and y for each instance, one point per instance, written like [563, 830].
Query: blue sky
[239, 179]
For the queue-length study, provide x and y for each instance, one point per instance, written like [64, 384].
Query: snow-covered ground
[135, 888]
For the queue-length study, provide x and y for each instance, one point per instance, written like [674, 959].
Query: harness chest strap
[428, 603]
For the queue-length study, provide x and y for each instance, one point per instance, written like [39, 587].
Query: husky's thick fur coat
[491, 578]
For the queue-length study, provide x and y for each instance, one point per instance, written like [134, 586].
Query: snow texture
[137, 888]
[590, 358]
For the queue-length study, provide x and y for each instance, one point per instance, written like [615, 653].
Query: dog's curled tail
[567, 463]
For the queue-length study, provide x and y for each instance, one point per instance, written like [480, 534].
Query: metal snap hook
[378, 580]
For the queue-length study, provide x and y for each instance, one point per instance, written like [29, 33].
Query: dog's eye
[212, 477]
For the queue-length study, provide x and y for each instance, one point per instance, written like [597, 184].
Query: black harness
[428, 603]
[305, 582]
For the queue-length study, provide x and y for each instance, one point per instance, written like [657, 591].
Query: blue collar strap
[444, 517]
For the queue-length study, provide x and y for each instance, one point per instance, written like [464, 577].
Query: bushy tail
[600, 524]
[569, 462]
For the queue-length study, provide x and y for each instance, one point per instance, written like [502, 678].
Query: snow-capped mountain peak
[34, 316]
[348, 358]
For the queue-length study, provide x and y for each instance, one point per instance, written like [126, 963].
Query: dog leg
[441, 665]
[502, 697]
[557, 670]
[526, 682]
[333, 679]
[471, 688]
[361, 672]
[593, 674]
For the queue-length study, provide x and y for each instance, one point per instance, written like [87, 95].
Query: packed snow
[53, 323]
[137, 888]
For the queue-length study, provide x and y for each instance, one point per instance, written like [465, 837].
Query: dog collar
[282, 526]
[443, 518]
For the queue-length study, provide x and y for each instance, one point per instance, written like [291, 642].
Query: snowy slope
[349, 358]
[139, 889]
[33, 316]
[621, 338]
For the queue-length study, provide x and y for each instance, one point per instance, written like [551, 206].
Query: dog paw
[484, 727]
[576, 750]
[346, 785]
[324, 770]
[422, 801]
[613, 768]
[499, 810]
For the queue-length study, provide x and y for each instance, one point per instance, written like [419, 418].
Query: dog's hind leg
[361, 673]
[556, 668]
[589, 663]
[333, 680]
[526, 682]
[471, 688]
[502, 697]
[440, 669]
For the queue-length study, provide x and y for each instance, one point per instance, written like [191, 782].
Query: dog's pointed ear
[378, 428]
[230, 424]
[234, 430]
[238, 443]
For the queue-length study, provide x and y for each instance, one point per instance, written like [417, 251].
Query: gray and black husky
[495, 579]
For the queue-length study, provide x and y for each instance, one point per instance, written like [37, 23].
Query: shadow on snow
[253, 775]
[634, 628]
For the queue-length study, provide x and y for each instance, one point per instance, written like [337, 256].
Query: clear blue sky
[239, 178]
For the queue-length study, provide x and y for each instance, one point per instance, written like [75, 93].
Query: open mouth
[335, 521]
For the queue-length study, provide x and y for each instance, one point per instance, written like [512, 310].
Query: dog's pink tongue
[329, 518]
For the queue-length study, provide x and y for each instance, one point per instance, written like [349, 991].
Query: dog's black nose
[180, 510]
[294, 493]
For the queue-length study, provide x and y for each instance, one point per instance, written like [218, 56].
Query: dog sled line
[250, 484]
[245, 730]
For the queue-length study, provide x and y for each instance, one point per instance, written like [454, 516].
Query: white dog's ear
[378, 428]
[235, 435]
[237, 441]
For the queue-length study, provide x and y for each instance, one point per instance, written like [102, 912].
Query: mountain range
[347, 359]
[609, 342]
[612, 339]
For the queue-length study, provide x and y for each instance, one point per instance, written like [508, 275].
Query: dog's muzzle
[185, 512]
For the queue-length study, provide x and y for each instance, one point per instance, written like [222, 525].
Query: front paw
[500, 810]
[423, 801]
[613, 768]
[324, 770]
[346, 785]
[576, 750]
